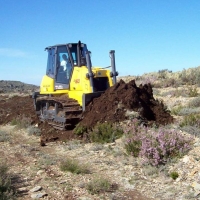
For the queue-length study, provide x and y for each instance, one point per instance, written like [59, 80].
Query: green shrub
[151, 170]
[21, 122]
[174, 175]
[181, 110]
[47, 160]
[176, 110]
[6, 190]
[188, 111]
[192, 130]
[14, 122]
[133, 147]
[192, 91]
[194, 102]
[191, 120]
[104, 133]
[99, 185]
[162, 74]
[80, 130]
[74, 166]
[4, 136]
[74, 144]
[32, 130]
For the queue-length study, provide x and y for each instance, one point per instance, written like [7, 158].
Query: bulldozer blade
[87, 98]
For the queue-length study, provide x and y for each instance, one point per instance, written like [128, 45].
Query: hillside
[16, 86]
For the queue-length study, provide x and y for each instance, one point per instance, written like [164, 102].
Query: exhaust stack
[89, 75]
[114, 73]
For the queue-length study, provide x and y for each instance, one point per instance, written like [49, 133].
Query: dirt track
[111, 107]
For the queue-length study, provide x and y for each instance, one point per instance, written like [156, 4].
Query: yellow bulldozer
[70, 84]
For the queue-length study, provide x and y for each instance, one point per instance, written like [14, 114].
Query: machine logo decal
[76, 80]
[46, 85]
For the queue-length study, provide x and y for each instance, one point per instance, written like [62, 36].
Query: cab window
[51, 63]
[63, 66]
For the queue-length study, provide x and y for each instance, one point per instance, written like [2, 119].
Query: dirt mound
[11, 108]
[22, 107]
[117, 101]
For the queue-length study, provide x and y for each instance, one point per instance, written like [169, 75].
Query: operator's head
[64, 56]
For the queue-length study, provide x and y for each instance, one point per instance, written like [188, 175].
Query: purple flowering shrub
[155, 145]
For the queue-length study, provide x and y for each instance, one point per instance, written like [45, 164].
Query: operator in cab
[66, 65]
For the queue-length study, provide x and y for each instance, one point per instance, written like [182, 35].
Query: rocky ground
[36, 173]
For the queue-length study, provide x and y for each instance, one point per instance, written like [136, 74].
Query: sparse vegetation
[188, 111]
[150, 170]
[104, 133]
[191, 120]
[178, 92]
[6, 190]
[133, 147]
[74, 144]
[176, 110]
[32, 130]
[194, 103]
[21, 122]
[80, 130]
[73, 166]
[192, 91]
[100, 185]
[4, 136]
[174, 175]
[193, 130]
[46, 160]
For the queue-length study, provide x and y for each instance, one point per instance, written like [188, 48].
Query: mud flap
[87, 98]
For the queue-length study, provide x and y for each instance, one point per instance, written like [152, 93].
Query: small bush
[192, 91]
[47, 160]
[179, 92]
[133, 147]
[151, 170]
[104, 133]
[21, 122]
[176, 110]
[80, 130]
[99, 185]
[96, 147]
[191, 120]
[162, 73]
[194, 102]
[174, 175]
[74, 166]
[193, 130]
[156, 146]
[188, 111]
[32, 130]
[6, 190]
[4, 136]
[74, 144]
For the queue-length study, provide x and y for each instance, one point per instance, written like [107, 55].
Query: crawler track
[61, 112]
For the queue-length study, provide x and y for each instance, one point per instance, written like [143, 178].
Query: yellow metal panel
[77, 95]
[47, 85]
[79, 83]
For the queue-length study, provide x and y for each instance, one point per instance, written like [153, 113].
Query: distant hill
[16, 86]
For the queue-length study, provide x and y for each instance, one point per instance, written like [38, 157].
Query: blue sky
[147, 35]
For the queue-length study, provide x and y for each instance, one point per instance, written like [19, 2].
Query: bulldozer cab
[61, 61]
